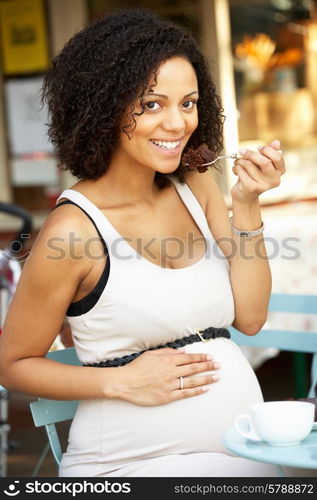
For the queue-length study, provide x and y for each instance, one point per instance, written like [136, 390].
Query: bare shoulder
[49, 280]
[65, 218]
[60, 243]
[67, 223]
[210, 196]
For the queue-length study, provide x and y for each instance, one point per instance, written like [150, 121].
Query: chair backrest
[48, 412]
[287, 340]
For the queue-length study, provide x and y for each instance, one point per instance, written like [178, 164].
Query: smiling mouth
[167, 145]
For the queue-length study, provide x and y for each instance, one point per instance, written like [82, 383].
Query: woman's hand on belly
[153, 378]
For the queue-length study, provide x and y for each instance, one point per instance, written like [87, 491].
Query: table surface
[303, 455]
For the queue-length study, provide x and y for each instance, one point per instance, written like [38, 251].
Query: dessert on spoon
[202, 157]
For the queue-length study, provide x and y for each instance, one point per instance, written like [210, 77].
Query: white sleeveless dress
[144, 305]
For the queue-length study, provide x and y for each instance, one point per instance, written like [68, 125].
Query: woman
[140, 253]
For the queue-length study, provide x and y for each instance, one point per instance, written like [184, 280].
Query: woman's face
[170, 117]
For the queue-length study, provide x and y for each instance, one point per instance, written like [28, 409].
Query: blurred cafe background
[263, 57]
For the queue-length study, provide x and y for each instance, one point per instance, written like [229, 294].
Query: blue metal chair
[299, 342]
[48, 412]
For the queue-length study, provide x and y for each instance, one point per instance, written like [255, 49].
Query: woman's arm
[257, 171]
[46, 287]
[250, 274]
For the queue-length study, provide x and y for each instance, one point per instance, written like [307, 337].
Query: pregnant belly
[120, 431]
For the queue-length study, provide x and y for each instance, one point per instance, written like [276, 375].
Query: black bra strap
[84, 305]
[69, 202]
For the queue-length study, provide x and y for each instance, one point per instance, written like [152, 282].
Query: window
[274, 46]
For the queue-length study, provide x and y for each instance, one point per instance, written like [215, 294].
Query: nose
[174, 120]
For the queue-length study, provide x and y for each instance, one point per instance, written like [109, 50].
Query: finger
[253, 171]
[191, 382]
[276, 144]
[190, 358]
[275, 156]
[234, 170]
[187, 393]
[193, 391]
[264, 180]
[194, 368]
[248, 183]
[260, 160]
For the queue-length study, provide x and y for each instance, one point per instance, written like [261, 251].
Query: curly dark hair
[100, 73]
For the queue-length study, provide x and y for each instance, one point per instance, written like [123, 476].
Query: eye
[189, 104]
[151, 105]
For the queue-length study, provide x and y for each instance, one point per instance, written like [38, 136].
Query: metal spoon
[234, 156]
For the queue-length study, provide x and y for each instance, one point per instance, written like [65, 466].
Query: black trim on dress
[84, 305]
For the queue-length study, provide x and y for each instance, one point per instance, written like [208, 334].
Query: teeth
[167, 145]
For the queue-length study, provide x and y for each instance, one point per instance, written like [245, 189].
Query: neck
[125, 183]
[127, 187]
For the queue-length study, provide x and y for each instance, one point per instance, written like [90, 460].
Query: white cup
[278, 423]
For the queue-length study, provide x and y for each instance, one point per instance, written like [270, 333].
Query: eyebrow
[166, 97]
